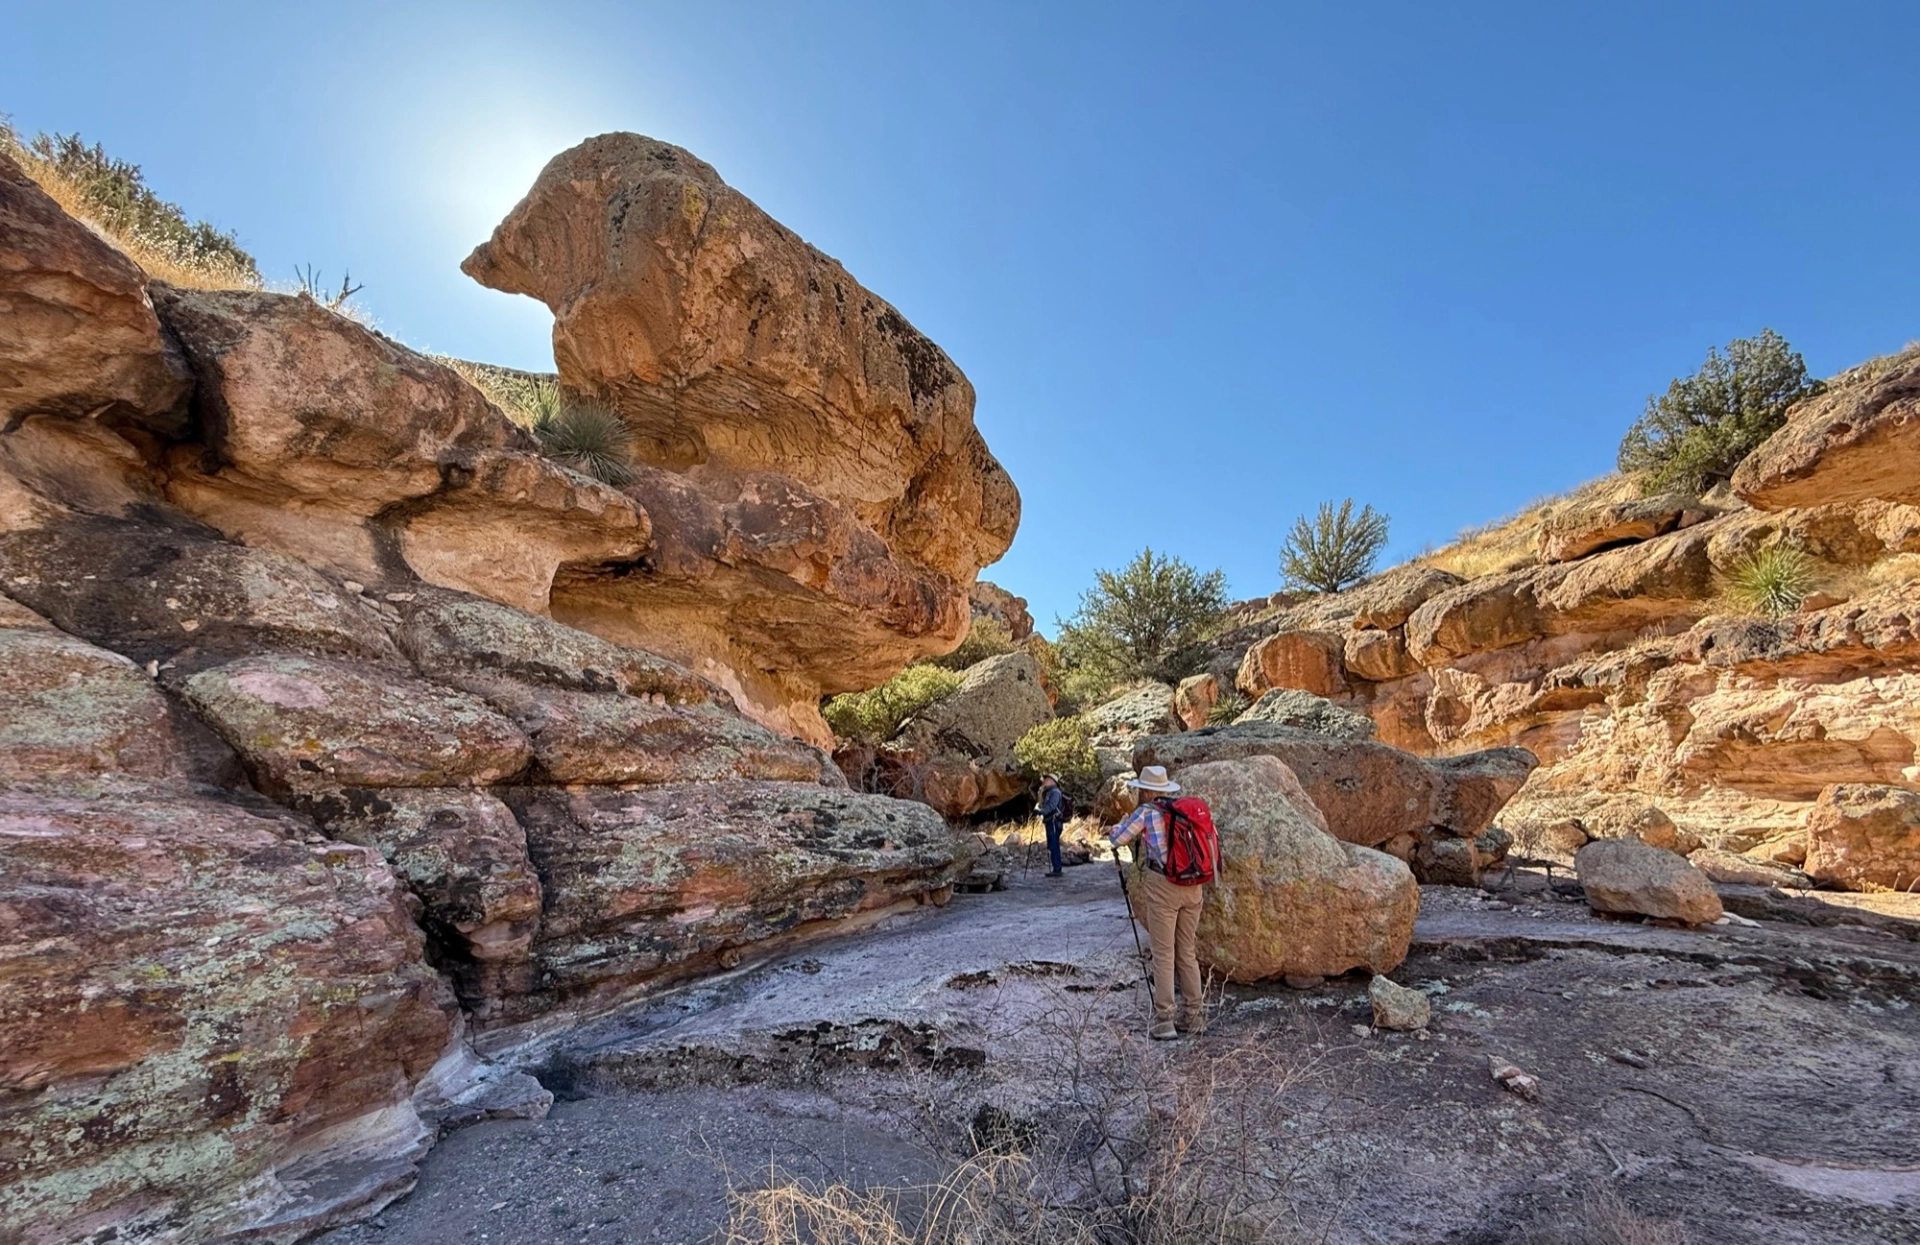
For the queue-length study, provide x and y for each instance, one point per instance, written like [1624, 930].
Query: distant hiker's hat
[1154, 778]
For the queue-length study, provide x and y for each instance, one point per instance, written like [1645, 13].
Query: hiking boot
[1055, 873]
[1163, 1031]
[1193, 1025]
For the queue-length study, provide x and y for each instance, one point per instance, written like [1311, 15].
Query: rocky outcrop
[1291, 899]
[990, 600]
[820, 494]
[82, 340]
[1575, 532]
[1194, 699]
[1304, 711]
[1858, 440]
[1145, 710]
[215, 1020]
[1368, 792]
[1631, 879]
[307, 784]
[1307, 660]
[1861, 836]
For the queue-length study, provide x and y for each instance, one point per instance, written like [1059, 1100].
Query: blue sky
[1206, 264]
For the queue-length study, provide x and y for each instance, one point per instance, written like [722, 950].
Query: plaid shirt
[1147, 824]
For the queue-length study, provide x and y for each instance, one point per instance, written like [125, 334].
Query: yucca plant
[1771, 581]
[586, 435]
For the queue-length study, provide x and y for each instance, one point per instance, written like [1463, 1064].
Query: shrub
[876, 715]
[113, 196]
[986, 637]
[1771, 581]
[1060, 747]
[588, 436]
[1147, 621]
[1334, 550]
[1232, 704]
[1696, 434]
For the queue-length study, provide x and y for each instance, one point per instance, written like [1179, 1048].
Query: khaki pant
[1171, 914]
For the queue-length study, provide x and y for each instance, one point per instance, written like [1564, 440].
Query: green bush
[1060, 747]
[1693, 437]
[1150, 620]
[1771, 582]
[1334, 550]
[588, 436]
[875, 716]
[986, 637]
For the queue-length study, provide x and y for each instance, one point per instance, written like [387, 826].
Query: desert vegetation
[584, 434]
[112, 195]
[1772, 581]
[1064, 747]
[1148, 620]
[875, 715]
[1695, 434]
[1333, 550]
[986, 637]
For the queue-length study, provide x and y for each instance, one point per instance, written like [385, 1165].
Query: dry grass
[1602, 1217]
[155, 256]
[1131, 1147]
[1508, 544]
[515, 392]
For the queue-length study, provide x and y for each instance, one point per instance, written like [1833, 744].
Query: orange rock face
[821, 496]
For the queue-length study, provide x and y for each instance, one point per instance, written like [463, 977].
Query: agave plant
[588, 436]
[1772, 581]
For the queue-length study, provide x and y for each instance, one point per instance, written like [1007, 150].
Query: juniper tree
[1694, 435]
[1147, 620]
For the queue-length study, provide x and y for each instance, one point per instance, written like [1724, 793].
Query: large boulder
[1388, 599]
[1627, 877]
[1304, 711]
[1368, 791]
[998, 700]
[1194, 698]
[82, 340]
[1858, 439]
[1861, 836]
[213, 1018]
[1290, 899]
[1310, 661]
[1145, 710]
[990, 600]
[1379, 656]
[820, 494]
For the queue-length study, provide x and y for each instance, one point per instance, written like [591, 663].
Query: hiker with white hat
[1176, 851]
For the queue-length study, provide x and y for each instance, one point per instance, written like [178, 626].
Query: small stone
[400, 596]
[351, 586]
[1513, 1080]
[1397, 1007]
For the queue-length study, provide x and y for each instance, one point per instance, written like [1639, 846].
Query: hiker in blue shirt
[1053, 812]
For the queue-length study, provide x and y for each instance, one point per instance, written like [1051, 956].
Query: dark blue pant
[1054, 826]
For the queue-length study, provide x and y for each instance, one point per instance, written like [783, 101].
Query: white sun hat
[1154, 778]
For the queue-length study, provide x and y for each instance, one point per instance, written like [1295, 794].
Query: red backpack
[1193, 849]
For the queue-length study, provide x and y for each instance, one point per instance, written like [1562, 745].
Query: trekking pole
[1126, 897]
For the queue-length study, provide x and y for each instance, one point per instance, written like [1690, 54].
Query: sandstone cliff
[310, 792]
[1617, 659]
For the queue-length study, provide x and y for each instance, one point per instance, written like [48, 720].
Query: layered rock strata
[304, 789]
[1616, 659]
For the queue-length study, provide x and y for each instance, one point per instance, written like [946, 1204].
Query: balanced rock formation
[1290, 899]
[311, 798]
[820, 496]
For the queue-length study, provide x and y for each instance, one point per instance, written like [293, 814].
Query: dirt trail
[1756, 1082]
